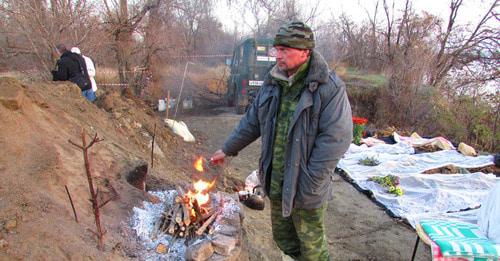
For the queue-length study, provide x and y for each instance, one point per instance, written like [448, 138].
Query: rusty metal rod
[93, 193]
[153, 146]
[71, 201]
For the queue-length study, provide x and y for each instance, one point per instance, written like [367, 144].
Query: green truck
[250, 63]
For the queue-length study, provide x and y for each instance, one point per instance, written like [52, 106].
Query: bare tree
[121, 22]
[192, 16]
[34, 27]
[460, 47]
[267, 15]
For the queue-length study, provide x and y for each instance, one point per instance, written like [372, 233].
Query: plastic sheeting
[489, 216]
[425, 196]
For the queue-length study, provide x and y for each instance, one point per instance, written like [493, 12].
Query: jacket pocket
[310, 184]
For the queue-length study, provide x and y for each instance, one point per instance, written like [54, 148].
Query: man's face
[290, 59]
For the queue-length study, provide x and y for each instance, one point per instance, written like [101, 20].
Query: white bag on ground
[489, 215]
[180, 128]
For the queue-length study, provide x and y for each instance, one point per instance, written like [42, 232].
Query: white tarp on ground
[425, 196]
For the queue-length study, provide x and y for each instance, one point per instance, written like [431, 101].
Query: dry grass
[211, 79]
[26, 76]
[106, 75]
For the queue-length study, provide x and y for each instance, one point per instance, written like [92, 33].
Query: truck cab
[252, 59]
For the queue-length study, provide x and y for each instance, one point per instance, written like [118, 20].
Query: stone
[226, 230]
[117, 115]
[3, 243]
[223, 244]
[153, 199]
[231, 220]
[11, 93]
[136, 125]
[233, 256]
[11, 225]
[200, 251]
[161, 249]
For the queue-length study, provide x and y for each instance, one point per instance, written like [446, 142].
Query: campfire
[193, 211]
[193, 222]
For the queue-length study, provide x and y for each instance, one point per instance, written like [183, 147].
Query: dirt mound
[37, 161]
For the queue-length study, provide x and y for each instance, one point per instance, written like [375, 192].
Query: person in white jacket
[90, 67]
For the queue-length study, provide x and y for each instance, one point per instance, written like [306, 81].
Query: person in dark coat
[71, 67]
[303, 118]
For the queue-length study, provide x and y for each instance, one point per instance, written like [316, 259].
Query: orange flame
[200, 192]
[198, 164]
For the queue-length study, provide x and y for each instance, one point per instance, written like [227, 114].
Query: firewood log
[179, 213]
[207, 222]
[186, 215]
[197, 210]
[171, 226]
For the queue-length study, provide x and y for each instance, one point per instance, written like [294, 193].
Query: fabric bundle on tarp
[416, 141]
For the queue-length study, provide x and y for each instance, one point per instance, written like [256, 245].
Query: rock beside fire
[226, 230]
[223, 244]
[200, 251]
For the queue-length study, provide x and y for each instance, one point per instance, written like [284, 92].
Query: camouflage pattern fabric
[301, 235]
[295, 34]
[289, 97]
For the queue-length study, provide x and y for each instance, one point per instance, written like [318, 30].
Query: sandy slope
[37, 161]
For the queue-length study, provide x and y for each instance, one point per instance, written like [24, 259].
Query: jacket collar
[318, 72]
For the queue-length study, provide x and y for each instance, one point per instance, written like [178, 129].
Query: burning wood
[186, 220]
[207, 222]
[192, 213]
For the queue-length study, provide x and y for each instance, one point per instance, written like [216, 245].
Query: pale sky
[471, 11]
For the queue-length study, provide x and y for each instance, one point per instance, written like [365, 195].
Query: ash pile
[192, 225]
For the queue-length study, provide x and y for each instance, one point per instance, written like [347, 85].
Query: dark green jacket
[319, 134]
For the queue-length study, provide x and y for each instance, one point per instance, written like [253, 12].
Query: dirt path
[357, 229]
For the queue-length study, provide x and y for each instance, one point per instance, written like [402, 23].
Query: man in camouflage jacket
[303, 117]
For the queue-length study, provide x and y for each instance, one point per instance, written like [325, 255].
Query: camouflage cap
[295, 34]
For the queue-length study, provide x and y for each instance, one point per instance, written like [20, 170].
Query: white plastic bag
[180, 128]
[489, 215]
[252, 181]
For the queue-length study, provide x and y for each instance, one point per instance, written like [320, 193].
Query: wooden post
[168, 102]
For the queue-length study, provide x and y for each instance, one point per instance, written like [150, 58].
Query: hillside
[37, 162]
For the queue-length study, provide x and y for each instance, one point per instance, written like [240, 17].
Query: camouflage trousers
[302, 234]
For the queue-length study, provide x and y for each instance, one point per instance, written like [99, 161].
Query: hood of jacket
[318, 71]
